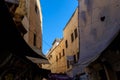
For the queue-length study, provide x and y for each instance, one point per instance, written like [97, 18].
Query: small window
[72, 37]
[63, 52]
[77, 56]
[49, 58]
[60, 55]
[75, 32]
[34, 41]
[56, 58]
[50, 55]
[68, 64]
[102, 18]
[36, 9]
[66, 44]
[75, 60]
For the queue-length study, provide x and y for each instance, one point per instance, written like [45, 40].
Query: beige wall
[69, 29]
[73, 47]
[35, 24]
[60, 66]
[57, 66]
[46, 66]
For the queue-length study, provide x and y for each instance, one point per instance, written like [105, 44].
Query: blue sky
[56, 14]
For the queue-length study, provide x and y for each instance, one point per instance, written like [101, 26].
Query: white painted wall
[96, 35]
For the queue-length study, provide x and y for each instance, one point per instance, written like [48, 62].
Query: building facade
[65, 52]
[56, 57]
[28, 18]
[71, 38]
[14, 49]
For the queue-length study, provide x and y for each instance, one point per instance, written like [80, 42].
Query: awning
[38, 51]
[10, 37]
[38, 60]
[36, 69]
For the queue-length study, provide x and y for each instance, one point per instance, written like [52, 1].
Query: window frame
[76, 33]
[66, 44]
[72, 37]
[34, 39]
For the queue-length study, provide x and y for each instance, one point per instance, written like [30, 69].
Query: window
[75, 32]
[34, 41]
[102, 18]
[66, 44]
[68, 64]
[60, 55]
[75, 60]
[56, 58]
[77, 56]
[63, 52]
[72, 37]
[36, 9]
[50, 57]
